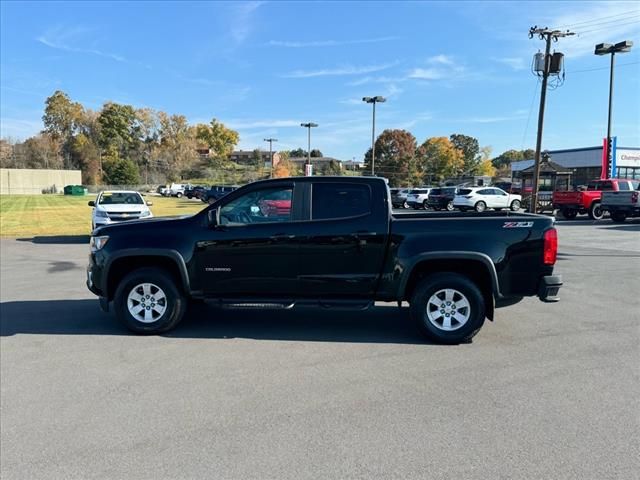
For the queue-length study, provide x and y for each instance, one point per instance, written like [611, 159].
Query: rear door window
[339, 200]
[623, 186]
[464, 191]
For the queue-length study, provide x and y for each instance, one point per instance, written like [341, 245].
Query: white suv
[417, 197]
[118, 205]
[481, 198]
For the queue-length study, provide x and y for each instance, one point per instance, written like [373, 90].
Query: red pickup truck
[588, 201]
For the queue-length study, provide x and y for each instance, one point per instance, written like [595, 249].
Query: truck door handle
[281, 236]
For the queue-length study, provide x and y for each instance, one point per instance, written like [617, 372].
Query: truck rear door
[346, 238]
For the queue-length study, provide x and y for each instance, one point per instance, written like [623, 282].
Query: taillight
[550, 252]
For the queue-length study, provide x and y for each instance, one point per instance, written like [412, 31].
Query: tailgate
[617, 198]
[567, 197]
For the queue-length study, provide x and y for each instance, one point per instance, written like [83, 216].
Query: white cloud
[516, 63]
[441, 59]
[249, 124]
[344, 70]
[19, 128]
[441, 66]
[241, 25]
[67, 40]
[595, 23]
[327, 43]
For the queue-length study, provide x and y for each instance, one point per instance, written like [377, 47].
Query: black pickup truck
[332, 242]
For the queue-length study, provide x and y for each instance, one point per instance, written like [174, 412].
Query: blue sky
[264, 67]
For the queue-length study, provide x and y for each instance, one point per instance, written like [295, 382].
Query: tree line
[120, 144]
[399, 158]
[123, 145]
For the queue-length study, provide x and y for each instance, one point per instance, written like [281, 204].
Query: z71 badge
[517, 225]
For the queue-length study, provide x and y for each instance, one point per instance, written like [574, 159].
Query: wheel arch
[476, 266]
[126, 261]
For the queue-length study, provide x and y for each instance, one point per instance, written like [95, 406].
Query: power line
[603, 68]
[571, 25]
[607, 27]
[533, 99]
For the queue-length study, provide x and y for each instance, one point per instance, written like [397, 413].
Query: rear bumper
[549, 288]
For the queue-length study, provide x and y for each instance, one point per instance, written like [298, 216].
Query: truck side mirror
[92, 203]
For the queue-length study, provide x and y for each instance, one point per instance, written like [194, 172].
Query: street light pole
[373, 100]
[271, 140]
[605, 49]
[308, 126]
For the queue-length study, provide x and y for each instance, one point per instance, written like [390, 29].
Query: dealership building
[585, 164]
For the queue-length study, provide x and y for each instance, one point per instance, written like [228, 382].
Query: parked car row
[450, 198]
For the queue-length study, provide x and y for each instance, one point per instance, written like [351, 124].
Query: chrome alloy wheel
[448, 310]
[146, 302]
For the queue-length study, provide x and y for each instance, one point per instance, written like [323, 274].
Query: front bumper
[549, 287]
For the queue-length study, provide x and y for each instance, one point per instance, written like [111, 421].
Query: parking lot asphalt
[545, 391]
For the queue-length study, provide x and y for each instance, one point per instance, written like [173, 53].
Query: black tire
[175, 303]
[569, 214]
[405, 205]
[596, 212]
[189, 196]
[430, 286]
[618, 217]
[515, 205]
[425, 205]
[449, 206]
[179, 194]
[480, 206]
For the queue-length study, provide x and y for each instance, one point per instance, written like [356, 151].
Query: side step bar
[272, 304]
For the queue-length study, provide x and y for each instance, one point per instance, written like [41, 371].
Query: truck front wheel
[596, 212]
[448, 308]
[147, 301]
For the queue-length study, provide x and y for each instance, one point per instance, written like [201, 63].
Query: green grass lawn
[33, 215]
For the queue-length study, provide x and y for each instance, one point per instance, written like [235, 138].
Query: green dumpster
[74, 190]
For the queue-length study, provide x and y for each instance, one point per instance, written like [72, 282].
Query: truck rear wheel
[147, 301]
[596, 212]
[448, 308]
[618, 217]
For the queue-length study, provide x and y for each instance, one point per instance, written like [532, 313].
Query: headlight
[146, 213]
[97, 243]
[101, 214]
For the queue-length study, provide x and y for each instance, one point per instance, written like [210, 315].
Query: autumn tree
[61, 118]
[298, 153]
[220, 139]
[440, 159]
[285, 167]
[395, 154]
[470, 149]
[117, 130]
[121, 172]
[485, 166]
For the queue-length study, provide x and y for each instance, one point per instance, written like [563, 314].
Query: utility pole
[271, 140]
[547, 35]
[373, 100]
